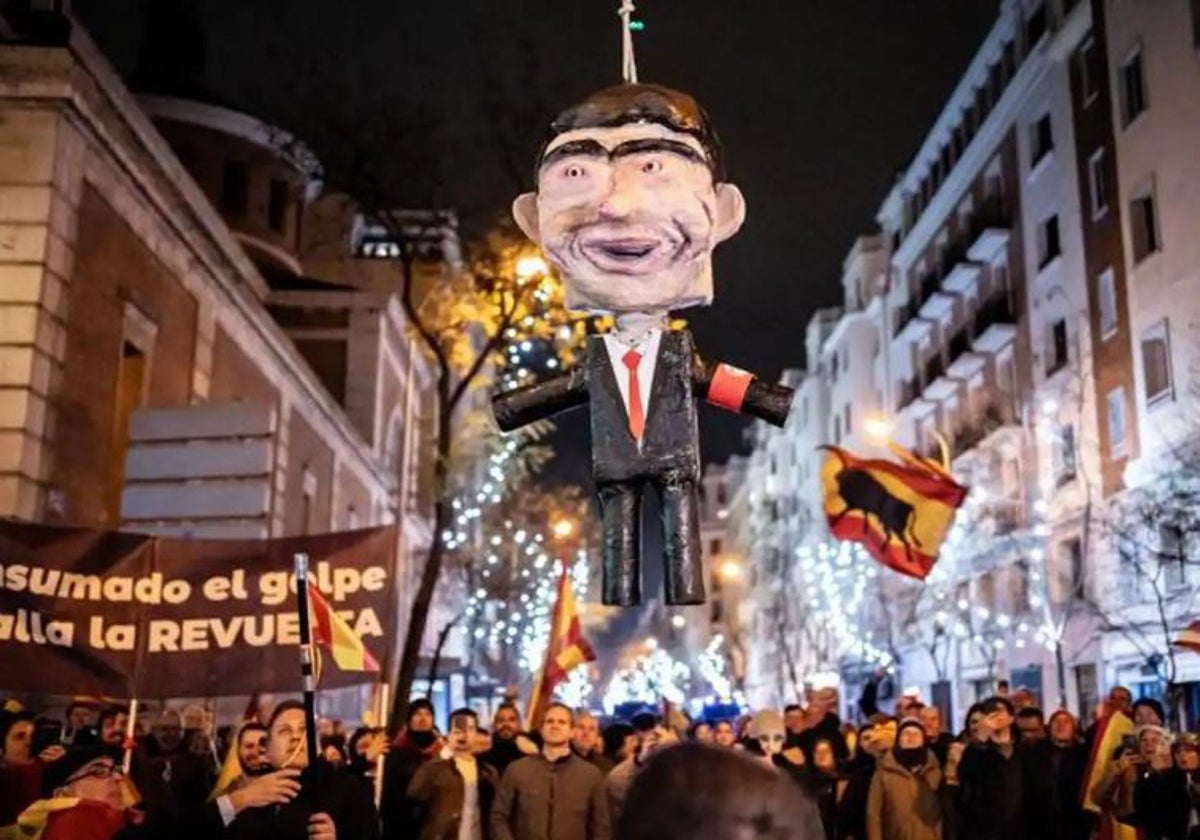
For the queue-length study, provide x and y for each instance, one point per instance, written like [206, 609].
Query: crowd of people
[796, 773]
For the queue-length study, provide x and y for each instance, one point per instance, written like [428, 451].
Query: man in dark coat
[296, 802]
[630, 202]
[416, 744]
[509, 744]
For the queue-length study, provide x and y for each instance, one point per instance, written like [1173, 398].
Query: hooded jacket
[903, 804]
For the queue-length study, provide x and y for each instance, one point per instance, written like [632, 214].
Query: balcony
[933, 370]
[995, 325]
[971, 433]
[990, 230]
[905, 315]
[909, 391]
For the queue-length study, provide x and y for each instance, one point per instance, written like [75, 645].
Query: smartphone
[46, 733]
[1129, 743]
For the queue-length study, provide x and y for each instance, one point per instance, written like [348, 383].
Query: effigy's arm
[741, 392]
[529, 403]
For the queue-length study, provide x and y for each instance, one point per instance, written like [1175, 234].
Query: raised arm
[740, 391]
[530, 403]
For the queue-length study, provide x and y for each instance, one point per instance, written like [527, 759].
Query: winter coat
[852, 810]
[539, 799]
[1162, 805]
[345, 798]
[440, 791]
[404, 759]
[1001, 797]
[903, 805]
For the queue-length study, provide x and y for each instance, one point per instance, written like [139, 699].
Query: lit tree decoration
[651, 678]
[577, 689]
[834, 577]
[713, 668]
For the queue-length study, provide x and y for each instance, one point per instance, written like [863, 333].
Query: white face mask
[771, 742]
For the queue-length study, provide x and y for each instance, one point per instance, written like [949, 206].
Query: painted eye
[652, 166]
[574, 170]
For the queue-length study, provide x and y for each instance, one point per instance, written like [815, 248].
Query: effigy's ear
[524, 211]
[731, 212]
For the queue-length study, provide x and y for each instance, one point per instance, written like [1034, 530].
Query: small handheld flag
[899, 512]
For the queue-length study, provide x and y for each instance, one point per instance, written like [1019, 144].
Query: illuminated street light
[878, 428]
[730, 570]
[678, 622]
[651, 643]
[531, 266]
[563, 528]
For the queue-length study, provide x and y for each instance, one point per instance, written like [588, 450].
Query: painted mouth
[630, 254]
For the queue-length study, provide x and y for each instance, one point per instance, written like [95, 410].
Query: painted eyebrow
[657, 144]
[575, 148]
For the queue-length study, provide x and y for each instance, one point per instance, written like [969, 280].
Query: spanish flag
[566, 650]
[331, 630]
[1110, 732]
[899, 512]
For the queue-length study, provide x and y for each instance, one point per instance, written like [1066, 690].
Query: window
[714, 547]
[1172, 553]
[1098, 184]
[1087, 689]
[1143, 221]
[1018, 587]
[235, 187]
[837, 429]
[277, 203]
[1133, 88]
[1156, 363]
[1106, 293]
[1070, 559]
[849, 428]
[1041, 139]
[1089, 73]
[986, 596]
[1117, 428]
[1057, 349]
[1064, 455]
[1035, 25]
[1049, 245]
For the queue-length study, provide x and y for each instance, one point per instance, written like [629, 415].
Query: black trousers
[621, 515]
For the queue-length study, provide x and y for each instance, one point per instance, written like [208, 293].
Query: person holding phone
[24, 757]
[1161, 800]
[454, 795]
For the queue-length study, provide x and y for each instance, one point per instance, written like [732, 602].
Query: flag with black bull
[899, 512]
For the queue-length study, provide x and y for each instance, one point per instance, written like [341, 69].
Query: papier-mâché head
[630, 201]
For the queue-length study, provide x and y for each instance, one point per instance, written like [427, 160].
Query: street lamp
[531, 266]
[678, 622]
[730, 570]
[563, 528]
[879, 428]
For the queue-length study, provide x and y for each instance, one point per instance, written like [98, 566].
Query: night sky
[819, 104]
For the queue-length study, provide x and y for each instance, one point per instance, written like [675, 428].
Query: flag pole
[306, 658]
[130, 728]
[379, 759]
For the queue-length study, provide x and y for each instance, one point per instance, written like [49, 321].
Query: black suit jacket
[669, 442]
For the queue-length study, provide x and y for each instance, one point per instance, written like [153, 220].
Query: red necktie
[637, 417]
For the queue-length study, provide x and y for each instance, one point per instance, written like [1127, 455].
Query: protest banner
[127, 615]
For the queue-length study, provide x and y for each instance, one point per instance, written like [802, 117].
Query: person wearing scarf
[85, 798]
[906, 800]
[417, 743]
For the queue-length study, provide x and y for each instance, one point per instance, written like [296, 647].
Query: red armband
[728, 388]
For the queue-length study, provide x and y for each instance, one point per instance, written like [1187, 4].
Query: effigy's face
[629, 215]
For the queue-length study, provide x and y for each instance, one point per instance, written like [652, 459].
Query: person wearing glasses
[85, 799]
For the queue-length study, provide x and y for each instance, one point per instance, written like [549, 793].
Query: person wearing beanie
[1148, 712]
[620, 742]
[906, 800]
[417, 744]
[84, 798]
